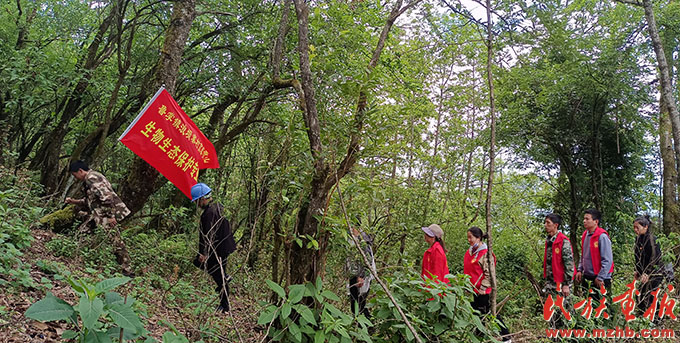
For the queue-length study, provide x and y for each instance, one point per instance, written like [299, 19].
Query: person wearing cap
[434, 265]
[215, 241]
[104, 207]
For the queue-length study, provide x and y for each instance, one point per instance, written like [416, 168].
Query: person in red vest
[597, 261]
[558, 260]
[476, 265]
[434, 264]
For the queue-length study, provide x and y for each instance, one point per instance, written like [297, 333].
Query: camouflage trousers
[119, 248]
[558, 321]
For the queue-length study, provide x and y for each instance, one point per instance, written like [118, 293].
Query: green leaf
[296, 293]
[409, 335]
[434, 305]
[285, 311]
[334, 310]
[330, 295]
[306, 313]
[90, 310]
[49, 309]
[364, 321]
[276, 288]
[450, 302]
[319, 283]
[319, 337]
[295, 331]
[170, 337]
[267, 315]
[311, 291]
[69, 334]
[97, 337]
[125, 317]
[439, 327]
[113, 298]
[342, 331]
[76, 287]
[109, 284]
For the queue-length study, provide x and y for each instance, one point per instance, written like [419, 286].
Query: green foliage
[439, 312]
[100, 314]
[294, 321]
[63, 246]
[162, 252]
[15, 235]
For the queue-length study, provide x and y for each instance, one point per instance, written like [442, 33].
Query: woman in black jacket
[648, 269]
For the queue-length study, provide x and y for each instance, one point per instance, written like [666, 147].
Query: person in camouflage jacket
[558, 265]
[558, 253]
[104, 207]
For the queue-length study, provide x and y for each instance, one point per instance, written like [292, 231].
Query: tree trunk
[140, 183]
[597, 184]
[47, 156]
[671, 207]
[492, 156]
[304, 264]
[664, 75]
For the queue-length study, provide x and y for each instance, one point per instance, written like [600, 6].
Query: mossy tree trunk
[142, 180]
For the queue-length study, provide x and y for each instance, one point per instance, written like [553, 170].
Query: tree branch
[630, 2]
[362, 103]
[372, 270]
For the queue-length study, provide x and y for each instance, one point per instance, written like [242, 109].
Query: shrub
[297, 322]
[99, 316]
[439, 312]
[15, 235]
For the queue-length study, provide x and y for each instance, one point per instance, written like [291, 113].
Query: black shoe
[128, 272]
[222, 309]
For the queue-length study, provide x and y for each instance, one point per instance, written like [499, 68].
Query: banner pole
[148, 104]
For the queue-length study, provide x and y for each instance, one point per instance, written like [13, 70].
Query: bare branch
[229, 14]
[630, 2]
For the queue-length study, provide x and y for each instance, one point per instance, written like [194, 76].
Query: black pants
[482, 304]
[646, 299]
[588, 283]
[356, 298]
[218, 272]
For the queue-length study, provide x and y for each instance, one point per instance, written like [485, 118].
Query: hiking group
[594, 270]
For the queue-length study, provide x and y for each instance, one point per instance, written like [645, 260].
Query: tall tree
[492, 153]
[141, 182]
[669, 111]
[101, 47]
[325, 175]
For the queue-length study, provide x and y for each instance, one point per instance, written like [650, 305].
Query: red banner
[166, 138]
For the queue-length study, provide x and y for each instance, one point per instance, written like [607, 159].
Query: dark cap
[77, 165]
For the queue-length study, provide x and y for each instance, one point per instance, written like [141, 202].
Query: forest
[329, 118]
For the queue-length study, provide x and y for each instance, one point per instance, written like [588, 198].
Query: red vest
[434, 265]
[472, 267]
[556, 262]
[595, 249]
